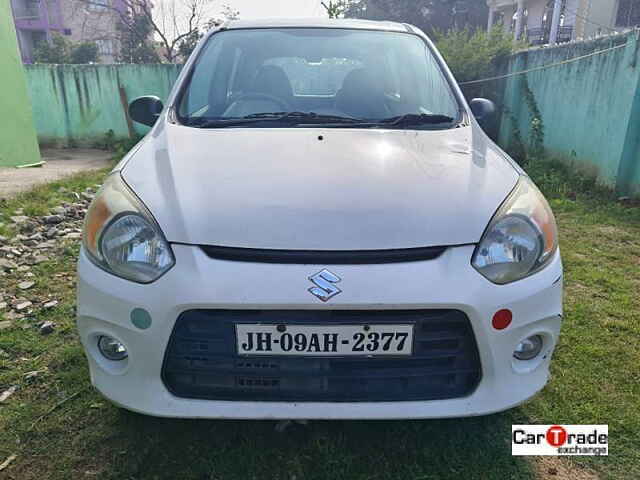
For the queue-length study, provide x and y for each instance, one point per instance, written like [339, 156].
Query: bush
[61, 51]
[473, 54]
[55, 52]
[86, 52]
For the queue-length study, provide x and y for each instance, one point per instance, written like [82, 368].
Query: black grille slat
[201, 361]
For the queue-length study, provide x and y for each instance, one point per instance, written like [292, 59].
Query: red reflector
[502, 319]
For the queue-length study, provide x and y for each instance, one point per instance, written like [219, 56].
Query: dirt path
[60, 163]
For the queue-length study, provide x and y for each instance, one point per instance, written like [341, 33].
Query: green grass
[596, 379]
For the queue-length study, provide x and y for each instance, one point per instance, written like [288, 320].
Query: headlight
[521, 238]
[121, 236]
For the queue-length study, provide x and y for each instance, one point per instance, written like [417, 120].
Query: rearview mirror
[482, 109]
[145, 110]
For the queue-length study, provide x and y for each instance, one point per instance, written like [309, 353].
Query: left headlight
[121, 236]
[521, 238]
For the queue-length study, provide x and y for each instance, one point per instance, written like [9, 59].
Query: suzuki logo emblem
[324, 282]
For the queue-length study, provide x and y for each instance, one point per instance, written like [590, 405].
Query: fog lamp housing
[112, 349]
[529, 348]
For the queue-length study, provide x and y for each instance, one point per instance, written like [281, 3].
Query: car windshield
[311, 76]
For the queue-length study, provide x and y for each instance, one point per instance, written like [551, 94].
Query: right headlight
[122, 237]
[520, 239]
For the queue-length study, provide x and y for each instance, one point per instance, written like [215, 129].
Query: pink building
[79, 20]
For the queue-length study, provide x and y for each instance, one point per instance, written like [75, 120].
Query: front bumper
[105, 304]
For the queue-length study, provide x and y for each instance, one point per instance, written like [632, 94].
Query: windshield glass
[306, 76]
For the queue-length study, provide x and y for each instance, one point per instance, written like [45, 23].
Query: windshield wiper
[294, 118]
[416, 119]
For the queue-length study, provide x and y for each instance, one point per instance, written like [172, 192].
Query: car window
[361, 74]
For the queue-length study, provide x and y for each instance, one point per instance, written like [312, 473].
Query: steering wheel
[282, 104]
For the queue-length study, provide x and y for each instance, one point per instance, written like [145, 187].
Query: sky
[276, 8]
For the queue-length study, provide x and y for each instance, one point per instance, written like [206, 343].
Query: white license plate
[324, 340]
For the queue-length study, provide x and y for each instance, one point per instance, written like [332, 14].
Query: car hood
[312, 189]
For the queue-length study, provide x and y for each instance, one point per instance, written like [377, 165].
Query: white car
[316, 227]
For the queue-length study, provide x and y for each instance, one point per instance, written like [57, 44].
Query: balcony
[540, 35]
[26, 9]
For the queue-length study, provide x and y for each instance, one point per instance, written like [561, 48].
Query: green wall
[18, 143]
[78, 104]
[590, 108]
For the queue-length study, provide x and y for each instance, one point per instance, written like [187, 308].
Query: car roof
[317, 23]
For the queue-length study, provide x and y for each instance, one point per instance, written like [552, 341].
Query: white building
[556, 21]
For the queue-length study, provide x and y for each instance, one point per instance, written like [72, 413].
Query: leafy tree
[473, 54]
[57, 51]
[429, 15]
[336, 8]
[61, 51]
[189, 43]
[86, 52]
[136, 40]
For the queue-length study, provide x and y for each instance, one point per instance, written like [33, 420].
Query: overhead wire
[544, 67]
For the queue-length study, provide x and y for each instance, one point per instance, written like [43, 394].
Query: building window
[628, 13]
[98, 5]
[105, 47]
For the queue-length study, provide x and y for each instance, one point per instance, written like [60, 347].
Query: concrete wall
[590, 108]
[79, 104]
[18, 144]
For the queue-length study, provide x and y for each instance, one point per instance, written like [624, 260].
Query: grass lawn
[59, 428]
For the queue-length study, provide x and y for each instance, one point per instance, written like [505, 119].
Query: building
[79, 20]
[543, 22]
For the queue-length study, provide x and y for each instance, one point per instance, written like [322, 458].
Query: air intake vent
[201, 360]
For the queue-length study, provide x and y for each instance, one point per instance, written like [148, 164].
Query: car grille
[201, 360]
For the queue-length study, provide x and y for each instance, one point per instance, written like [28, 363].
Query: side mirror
[145, 110]
[482, 109]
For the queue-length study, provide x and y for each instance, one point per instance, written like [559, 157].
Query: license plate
[324, 340]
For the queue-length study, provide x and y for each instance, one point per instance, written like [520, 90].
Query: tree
[86, 52]
[61, 51]
[136, 41]
[56, 51]
[172, 22]
[429, 15]
[337, 8]
[189, 43]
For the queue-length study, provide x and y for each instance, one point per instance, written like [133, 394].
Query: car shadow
[469, 448]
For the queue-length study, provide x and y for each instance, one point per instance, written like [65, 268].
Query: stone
[7, 393]
[5, 324]
[53, 219]
[47, 327]
[23, 306]
[26, 285]
[18, 219]
[7, 264]
[50, 304]
[24, 268]
[73, 236]
[39, 259]
[31, 375]
[3, 305]
[59, 211]
[11, 315]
